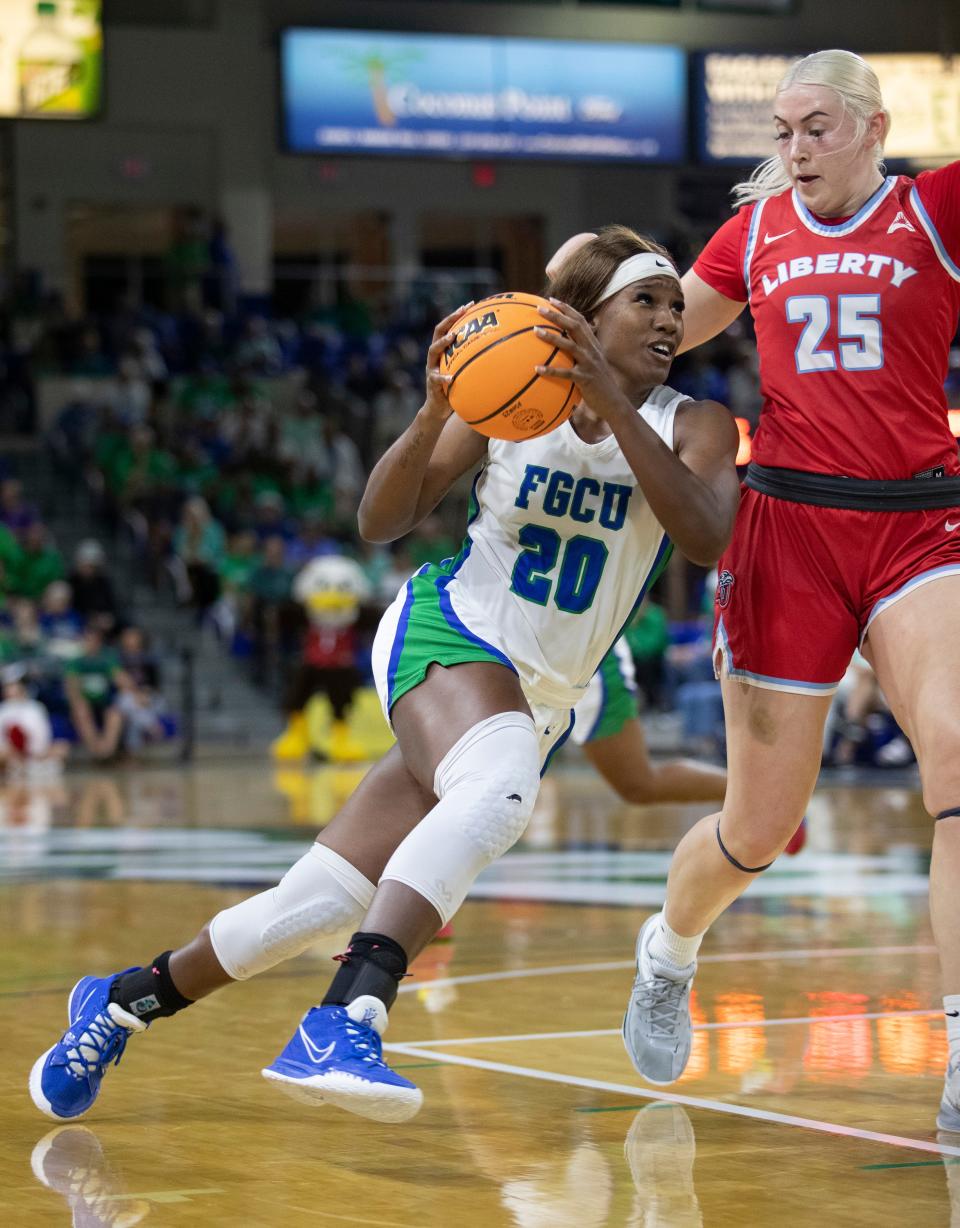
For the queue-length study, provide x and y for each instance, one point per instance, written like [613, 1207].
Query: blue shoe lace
[365, 1043]
[104, 1041]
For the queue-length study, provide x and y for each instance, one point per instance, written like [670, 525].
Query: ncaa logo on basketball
[473, 328]
[529, 419]
[725, 582]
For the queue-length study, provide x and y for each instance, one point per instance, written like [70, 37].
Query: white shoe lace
[664, 1003]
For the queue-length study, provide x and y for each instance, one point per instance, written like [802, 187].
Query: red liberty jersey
[854, 320]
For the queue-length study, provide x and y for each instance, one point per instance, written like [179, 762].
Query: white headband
[636, 268]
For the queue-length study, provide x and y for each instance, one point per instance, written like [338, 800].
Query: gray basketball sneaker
[657, 1032]
[949, 1116]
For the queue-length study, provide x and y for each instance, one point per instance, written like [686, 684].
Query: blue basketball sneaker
[65, 1081]
[335, 1056]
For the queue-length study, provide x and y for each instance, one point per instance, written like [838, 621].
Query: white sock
[668, 947]
[951, 1009]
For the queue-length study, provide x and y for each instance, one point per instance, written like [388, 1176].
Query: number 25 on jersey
[859, 336]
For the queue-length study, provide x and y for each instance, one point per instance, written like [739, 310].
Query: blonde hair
[583, 276]
[855, 83]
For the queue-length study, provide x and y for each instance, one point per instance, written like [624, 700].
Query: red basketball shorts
[799, 585]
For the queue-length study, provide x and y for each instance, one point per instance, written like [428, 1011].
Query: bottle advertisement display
[51, 58]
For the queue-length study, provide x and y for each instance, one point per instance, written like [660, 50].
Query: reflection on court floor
[809, 1099]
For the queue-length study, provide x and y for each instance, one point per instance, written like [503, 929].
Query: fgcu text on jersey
[855, 384]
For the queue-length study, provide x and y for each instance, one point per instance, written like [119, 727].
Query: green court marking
[414, 1065]
[873, 1168]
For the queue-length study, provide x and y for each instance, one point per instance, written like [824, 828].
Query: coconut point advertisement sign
[51, 59]
[465, 96]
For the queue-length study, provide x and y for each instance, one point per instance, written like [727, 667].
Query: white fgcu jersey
[561, 548]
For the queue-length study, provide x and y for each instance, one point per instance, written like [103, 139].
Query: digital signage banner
[735, 104]
[353, 91]
[51, 59]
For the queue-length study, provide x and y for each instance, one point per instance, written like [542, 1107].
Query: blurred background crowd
[197, 459]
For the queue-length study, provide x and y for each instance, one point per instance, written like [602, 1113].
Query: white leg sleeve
[487, 785]
[320, 894]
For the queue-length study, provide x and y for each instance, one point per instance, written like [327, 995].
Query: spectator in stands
[346, 468]
[271, 517]
[204, 393]
[92, 589]
[9, 554]
[26, 639]
[15, 512]
[135, 716]
[131, 397]
[394, 408]
[259, 350]
[151, 363]
[198, 544]
[312, 494]
[276, 619]
[60, 623]
[272, 579]
[26, 734]
[38, 564]
[89, 686]
[302, 437]
[362, 380]
[313, 540]
[144, 474]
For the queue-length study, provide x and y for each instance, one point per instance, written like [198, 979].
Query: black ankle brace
[372, 964]
[733, 861]
[948, 814]
[149, 993]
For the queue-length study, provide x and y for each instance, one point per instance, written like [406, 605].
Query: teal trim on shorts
[430, 633]
[618, 705]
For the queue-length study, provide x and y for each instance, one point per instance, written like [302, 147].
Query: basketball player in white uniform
[478, 664]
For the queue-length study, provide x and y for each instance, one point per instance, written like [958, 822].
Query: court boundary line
[694, 1102]
[697, 1027]
[721, 957]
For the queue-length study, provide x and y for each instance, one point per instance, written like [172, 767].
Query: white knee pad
[487, 785]
[320, 894]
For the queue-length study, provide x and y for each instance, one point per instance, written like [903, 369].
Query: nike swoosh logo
[661, 264]
[314, 1053]
[950, 527]
[773, 238]
[953, 1014]
[79, 1010]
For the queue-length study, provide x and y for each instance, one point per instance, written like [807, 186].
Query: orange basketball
[492, 358]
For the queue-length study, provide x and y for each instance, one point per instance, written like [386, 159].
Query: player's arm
[693, 491]
[417, 470]
[707, 312]
[939, 193]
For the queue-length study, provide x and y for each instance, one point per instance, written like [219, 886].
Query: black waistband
[863, 494]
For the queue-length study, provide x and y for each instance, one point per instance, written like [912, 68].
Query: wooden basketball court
[809, 1100]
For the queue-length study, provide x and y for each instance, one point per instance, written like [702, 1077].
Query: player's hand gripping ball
[491, 360]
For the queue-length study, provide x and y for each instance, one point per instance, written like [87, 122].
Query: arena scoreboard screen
[462, 96]
[734, 94]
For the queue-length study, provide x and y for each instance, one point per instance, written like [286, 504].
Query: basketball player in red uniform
[849, 527]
